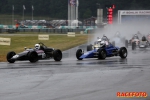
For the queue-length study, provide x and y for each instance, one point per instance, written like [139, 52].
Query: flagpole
[12, 14]
[23, 13]
[32, 12]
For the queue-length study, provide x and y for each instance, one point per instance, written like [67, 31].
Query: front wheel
[9, 56]
[33, 56]
[101, 54]
[79, 54]
[133, 45]
[123, 52]
[57, 54]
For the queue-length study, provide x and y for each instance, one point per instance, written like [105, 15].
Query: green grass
[18, 42]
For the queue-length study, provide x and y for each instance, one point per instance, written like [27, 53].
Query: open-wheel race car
[101, 50]
[144, 43]
[34, 54]
[135, 41]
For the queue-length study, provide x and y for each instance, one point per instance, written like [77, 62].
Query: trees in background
[59, 8]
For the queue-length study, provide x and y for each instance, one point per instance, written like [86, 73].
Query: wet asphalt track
[89, 79]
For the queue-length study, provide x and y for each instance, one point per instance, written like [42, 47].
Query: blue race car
[101, 50]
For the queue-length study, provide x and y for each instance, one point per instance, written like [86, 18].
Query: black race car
[33, 55]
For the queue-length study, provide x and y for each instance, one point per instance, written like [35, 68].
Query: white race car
[143, 43]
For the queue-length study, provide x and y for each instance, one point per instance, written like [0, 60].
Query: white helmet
[37, 46]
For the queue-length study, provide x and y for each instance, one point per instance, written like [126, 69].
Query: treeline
[59, 8]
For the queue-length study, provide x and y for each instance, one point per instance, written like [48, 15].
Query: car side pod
[123, 52]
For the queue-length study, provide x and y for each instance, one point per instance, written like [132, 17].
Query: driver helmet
[37, 46]
[104, 38]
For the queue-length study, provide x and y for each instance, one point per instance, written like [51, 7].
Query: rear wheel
[123, 52]
[133, 45]
[57, 54]
[89, 47]
[9, 56]
[101, 54]
[33, 56]
[79, 54]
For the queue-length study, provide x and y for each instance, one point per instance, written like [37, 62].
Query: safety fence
[41, 27]
[61, 29]
[42, 30]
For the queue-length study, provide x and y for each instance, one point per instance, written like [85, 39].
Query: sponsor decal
[136, 12]
[86, 53]
[71, 34]
[5, 41]
[15, 56]
[43, 37]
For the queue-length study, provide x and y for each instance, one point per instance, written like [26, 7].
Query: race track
[70, 79]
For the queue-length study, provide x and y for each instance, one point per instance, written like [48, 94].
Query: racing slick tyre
[133, 45]
[9, 56]
[89, 47]
[33, 56]
[126, 43]
[57, 55]
[113, 43]
[78, 54]
[123, 52]
[101, 54]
